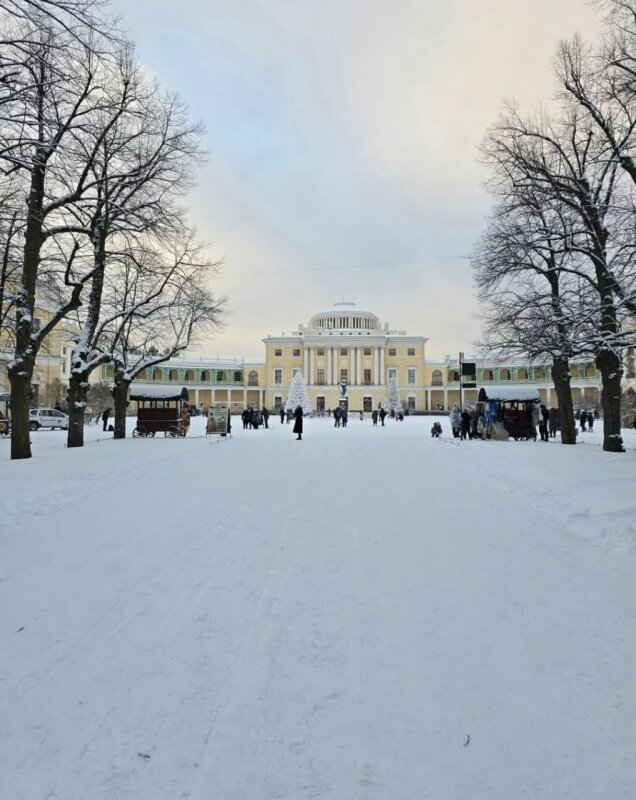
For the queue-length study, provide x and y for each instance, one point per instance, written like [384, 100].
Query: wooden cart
[159, 410]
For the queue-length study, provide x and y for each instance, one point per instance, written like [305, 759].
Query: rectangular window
[278, 402]
[344, 351]
[411, 351]
[392, 373]
[344, 375]
[320, 351]
[367, 351]
[410, 373]
[392, 351]
[320, 405]
[278, 376]
[278, 352]
[296, 353]
[367, 377]
[411, 403]
[320, 377]
[367, 404]
[295, 371]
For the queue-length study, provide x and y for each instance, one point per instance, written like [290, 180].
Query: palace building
[346, 343]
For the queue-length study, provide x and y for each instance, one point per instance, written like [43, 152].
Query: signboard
[469, 368]
[218, 420]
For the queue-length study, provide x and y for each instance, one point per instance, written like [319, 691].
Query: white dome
[344, 315]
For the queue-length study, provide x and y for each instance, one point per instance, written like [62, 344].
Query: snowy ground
[365, 614]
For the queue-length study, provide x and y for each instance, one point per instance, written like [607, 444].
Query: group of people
[253, 418]
[586, 417]
[549, 423]
[466, 424]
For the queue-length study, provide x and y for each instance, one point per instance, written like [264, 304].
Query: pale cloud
[345, 134]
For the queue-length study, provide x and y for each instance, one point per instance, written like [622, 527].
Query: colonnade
[353, 362]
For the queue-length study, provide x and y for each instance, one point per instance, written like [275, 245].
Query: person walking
[590, 421]
[282, 415]
[298, 424]
[543, 422]
[382, 416]
[552, 423]
[105, 416]
[185, 419]
[361, 417]
[465, 427]
[455, 421]
[265, 417]
[337, 414]
[374, 418]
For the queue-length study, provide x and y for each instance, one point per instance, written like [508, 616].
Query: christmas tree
[393, 402]
[298, 395]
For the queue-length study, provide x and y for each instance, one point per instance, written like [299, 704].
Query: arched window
[220, 376]
[488, 375]
[539, 373]
[504, 375]
[437, 378]
[142, 375]
[238, 377]
[173, 375]
[522, 374]
[205, 376]
[189, 376]
[157, 375]
[252, 378]
[453, 376]
[574, 372]
[591, 371]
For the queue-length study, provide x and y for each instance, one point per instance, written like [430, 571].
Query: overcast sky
[343, 141]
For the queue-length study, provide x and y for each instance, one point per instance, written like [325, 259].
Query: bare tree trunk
[20, 377]
[561, 377]
[78, 387]
[609, 365]
[120, 397]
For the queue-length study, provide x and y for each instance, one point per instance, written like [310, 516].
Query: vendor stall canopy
[509, 394]
[143, 391]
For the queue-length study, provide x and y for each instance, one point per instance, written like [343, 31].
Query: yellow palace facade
[347, 344]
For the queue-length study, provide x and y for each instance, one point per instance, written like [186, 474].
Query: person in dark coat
[436, 430]
[382, 416]
[583, 419]
[265, 415]
[553, 422]
[590, 421]
[282, 415]
[245, 417]
[344, 416]
[465, 430]
[298, 425]
[337, 414]
[105, 415]
[374, 417]
[543, 422]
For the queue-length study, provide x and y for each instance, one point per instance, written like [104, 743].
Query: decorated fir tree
[298, 395]
[393, 402]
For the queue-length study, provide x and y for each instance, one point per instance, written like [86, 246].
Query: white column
[446, 400]
[335, 366]
[312, 366]
[306, 363]
[382, 371]
[352, 367]
[359, 366]
[196, 398]
[428, 400]
[328, 381]
[376, 367]
[548, 395]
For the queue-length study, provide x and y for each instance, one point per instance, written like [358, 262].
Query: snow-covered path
[363, 614]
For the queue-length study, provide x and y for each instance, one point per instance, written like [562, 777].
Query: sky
[342, 140]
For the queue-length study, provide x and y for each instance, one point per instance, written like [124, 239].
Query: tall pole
[461, 361]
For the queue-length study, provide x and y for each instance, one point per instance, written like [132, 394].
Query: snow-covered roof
[345, 308]
[146, 391]
[504, 394]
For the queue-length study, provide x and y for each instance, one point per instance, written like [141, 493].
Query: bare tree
[523, 270]
[142, 167]
[58, 99]
[160, 305]
[560, 162]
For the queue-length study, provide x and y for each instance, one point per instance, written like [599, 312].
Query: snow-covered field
[365, 614]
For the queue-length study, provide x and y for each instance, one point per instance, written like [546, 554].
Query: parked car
[47, 418]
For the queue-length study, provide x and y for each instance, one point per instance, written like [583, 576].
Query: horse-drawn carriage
[159, 410]
[511, 411]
